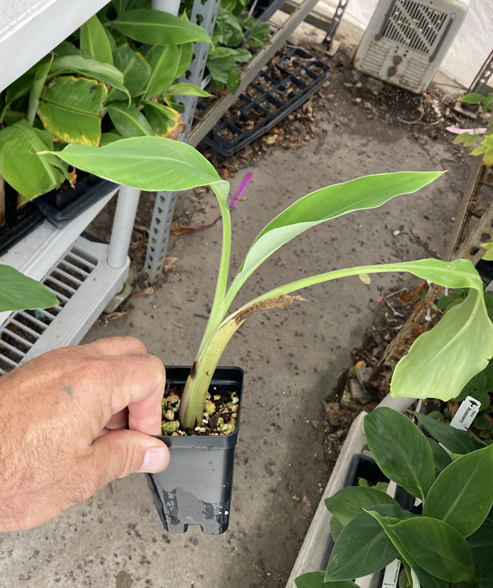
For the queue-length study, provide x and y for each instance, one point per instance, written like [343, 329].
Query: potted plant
[444, 537]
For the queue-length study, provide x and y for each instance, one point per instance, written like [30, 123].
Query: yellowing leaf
[365, 278]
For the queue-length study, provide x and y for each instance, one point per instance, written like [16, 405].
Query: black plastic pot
[61, 208]
[196, 487]
[19, 222]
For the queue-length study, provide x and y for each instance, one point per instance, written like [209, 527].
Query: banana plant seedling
[440, 361]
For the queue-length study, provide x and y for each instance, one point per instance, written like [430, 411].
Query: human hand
[63, 420]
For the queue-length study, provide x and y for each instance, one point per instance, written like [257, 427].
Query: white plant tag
[466, 414]
[391, 576]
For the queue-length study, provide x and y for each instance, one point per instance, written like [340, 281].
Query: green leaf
[37, 88]
[362, 548]
[336, 528]
[111, 137]
[186, 56]
[351, 501]
[18, 292]
[185, 89]
[66, 48]
[16, 90]
[436, 361]
[164, 62]
[323, 205]
[430, 544]
[161, 118]
[440, 456]
[471, 139]
[473, 98]
[400, 450]
[103, 72]
[462, 495]
[481, 544]
[120, 6]
[454, 440]
[135, 70]
[95, 42]
[149, 163]
[316, 580]
[25, 147]
[70, 109]
[159, 28]
[461, 138]
[129, 121]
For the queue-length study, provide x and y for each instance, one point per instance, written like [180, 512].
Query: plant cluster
[446, 539]
[485, 148]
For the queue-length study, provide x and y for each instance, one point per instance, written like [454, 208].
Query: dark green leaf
[107, 138]
[316, 580]
[164, 63]
[129, 121]
[400, 450]
[135, 69]
[120, 6]
[21, 87]
[362, 548]
[336, 528]
[95, 42]
[65, 48]
[454, 440]
[18, 292]
[481, 544]
[351, 501]
[159, 28]
[37, 88]
[462, 495]
[440, 456]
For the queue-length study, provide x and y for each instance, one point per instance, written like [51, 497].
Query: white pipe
[400, 404]
[126, 209]
[171, 6]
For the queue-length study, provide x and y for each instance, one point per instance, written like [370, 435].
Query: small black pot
[61, 208]
[196, 487]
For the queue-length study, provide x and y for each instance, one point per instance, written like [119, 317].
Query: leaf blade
[95, 42]
[18, 292]
[349, 502]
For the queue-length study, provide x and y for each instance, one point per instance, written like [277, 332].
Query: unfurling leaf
[18, 292]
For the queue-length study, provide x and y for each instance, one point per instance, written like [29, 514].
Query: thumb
[120, 453]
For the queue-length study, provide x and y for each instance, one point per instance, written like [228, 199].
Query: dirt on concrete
[291, 358]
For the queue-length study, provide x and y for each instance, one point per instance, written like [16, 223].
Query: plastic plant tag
[391, 575]
[466, 414]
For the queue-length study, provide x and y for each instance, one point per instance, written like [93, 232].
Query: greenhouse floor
[291, 360]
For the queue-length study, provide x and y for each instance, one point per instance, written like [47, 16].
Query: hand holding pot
[63, 434]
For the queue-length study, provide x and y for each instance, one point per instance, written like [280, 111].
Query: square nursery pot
[62, 207]
[19, 222]
[196, 487]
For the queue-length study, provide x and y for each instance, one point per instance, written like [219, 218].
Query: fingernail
[156, 460]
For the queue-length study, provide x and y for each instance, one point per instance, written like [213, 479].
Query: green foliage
[95, 42]
[451, 542]
[486, 146]
[455, 440]
[18, 292]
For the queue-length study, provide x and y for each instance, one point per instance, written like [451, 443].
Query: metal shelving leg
[204, 14]
[123, 223]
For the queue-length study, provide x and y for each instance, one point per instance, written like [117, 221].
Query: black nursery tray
[264, 9]
[18, 222]
[278, 90]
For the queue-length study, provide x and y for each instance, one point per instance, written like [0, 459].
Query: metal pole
[126, 209]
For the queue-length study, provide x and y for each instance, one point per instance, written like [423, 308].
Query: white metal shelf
[29, 29]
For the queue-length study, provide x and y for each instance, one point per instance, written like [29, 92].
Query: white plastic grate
[23, 329]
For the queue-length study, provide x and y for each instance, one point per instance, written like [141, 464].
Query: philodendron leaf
[454, 440]
[129, 121]
[433, 545]
[18, 292]
[481, 544]
[148, 163]
[440, 456]
[400, 450]
[462, 495]
[95, 42]
[70, 109]
[159, 28]
[27, 151]
[323, 205]
[135, 70]
[316, 580]
[440, 352]
[349, 502]
[336, 528]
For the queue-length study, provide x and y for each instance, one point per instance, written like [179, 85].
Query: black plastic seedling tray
[278, 90]
[18, 221]
[264, 9]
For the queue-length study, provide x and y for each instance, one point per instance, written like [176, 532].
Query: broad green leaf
[163, 120]
[426, 580]
[471, 139]
[323, 205]
[103, 72]
[481, 544]
[37, 88]
[111, 137]
[400, 450]
[70, 109]
[149, 163]
[186, 56]
[462, 495]
[24, 152]
[440, 456]
[135, 70]
[120, 6]
[164, 62]
[18, 292]
[185, 89]
[454, 440]
[159, 28]
[16, 90]
[473, 98]
[129, 121]
[349, 502]
[336, 528]
[362, 548]
[95, 42]
[316, 580]
[438, 355]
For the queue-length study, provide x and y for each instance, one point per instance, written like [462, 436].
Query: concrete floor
[291, 359]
